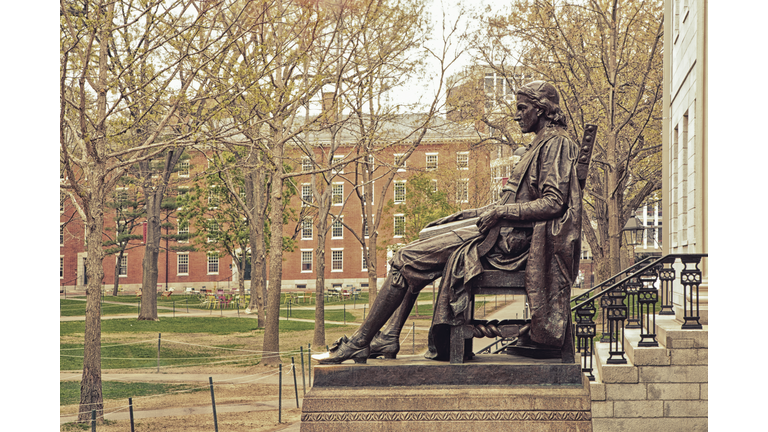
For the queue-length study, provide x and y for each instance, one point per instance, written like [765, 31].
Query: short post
[364, 311]
[158, 353]
[213, 403]
[309, 360]
[413, 338]
[280, 393]
[303, 380]
[130, 411]
[174, 308]
[187, 301]
[345, 314]
[295, 387]
[93, 420]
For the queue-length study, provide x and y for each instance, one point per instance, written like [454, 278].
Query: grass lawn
[69, 391]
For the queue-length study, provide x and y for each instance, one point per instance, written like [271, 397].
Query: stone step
[670, 334]
[612, 373]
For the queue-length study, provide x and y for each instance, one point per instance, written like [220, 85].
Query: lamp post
[633, 234]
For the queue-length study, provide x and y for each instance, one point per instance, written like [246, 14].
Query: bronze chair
[501, 282]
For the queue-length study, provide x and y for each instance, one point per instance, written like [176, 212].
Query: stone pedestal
[490, 392]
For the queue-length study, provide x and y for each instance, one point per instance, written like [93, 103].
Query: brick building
[446, 155]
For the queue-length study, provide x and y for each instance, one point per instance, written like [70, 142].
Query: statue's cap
[539, 90]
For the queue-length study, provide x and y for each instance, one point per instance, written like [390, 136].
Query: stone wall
[660, 388]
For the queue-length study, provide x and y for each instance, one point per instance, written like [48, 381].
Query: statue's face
[527, 115]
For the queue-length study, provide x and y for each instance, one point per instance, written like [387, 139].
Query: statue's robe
[544, 190]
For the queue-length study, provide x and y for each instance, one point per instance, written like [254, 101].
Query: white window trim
[393, 224]
[306, 203]
[342, 193]
[61, 266]
[394, 191]
[342, 260]
[180, 254]
[311, 228]
[437, 161]
[208, 263]
[178, 232]
[363, 261]
[306, 162]
[336, 159]
[181, 170]
[125, 257]
[466, 198]
[405, 162]
[208, 233]
[311, 260]
[333, 236]
[457, 160]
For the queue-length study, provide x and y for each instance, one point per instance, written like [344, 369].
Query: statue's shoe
[384, 345]
[341, 350]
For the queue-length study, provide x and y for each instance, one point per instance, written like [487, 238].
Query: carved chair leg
[457, 344]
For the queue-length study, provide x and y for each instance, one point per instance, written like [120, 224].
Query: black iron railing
[630, 299]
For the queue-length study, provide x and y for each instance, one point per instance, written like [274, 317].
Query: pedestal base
[492, 392]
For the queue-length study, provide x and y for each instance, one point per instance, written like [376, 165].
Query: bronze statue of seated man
[542, 190]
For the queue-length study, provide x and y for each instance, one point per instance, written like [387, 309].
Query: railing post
[616, 312]
[648, 296]
[632, 287]
[690, 278]
[667, 277]
[585, 334]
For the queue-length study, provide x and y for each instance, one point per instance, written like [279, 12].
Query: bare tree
[102, 83]
[605, 60]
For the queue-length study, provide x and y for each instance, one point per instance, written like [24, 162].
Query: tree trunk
[254, 195]
[117, 274]
[272, 329]
[91, 397]
[148, 309]
[318, 339]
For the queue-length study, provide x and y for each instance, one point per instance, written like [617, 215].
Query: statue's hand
[488, 219]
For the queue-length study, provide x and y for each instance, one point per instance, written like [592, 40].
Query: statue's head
[544, 99]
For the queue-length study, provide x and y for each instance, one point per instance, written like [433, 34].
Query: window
[399, 230]
[337, 260]
[337, 229]
[365, 227]
[306, 195]
[122, 269]
[213, 263]
[306, 164]
[400, 162]
[183, 231]
[431, 161]
[121, 195]
[306, 229]
[61, 267]
[306, 261]
[337, 160]
[337, 194]
[462, 190]
[434, 185]
[363, 253]
[213, 197]
[61, 234]
[462, 160]
[371, 167]
[213, 230]
[182, 264]
[184, 169]
[399, 191]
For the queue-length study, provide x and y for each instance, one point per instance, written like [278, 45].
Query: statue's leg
[387, 301]
[387, 342]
